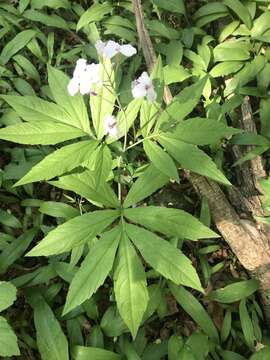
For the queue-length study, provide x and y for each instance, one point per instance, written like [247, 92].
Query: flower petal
[111, 49]
[128, 50]
[73, 86]
[80, 68]
[100, 45]
[151, 95]
[138, 90]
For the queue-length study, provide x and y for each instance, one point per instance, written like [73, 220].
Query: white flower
[110, 126]
[142, 87]
[112, 48]
[86, 78]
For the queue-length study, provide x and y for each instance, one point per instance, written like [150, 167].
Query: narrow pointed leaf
[170, 222]
[86, 353]
[74, 232]
[164, 258]
[130, 285]
[94, 269]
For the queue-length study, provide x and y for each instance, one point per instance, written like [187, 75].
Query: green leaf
[262, 354]
[74, 105]
[150, 181]
[183, 103]
[234, 292]
[84, 184]
[130, 285]
[201, 131]
[36, 110]
[15, 45]
[86, 353]
[28, 67]
[192, 306]
[8, 340]
[192, 158]
[16, 249]
[49, 20]
[170, 222]
[74, 232]
[226, 325]
[246, 324]
[232, 51]
[161, 160]
[60, 161]
[43, 133]
[94, 269]
[102, 105]
[230, 355]
[175, 74]
[261, 24]
[240, 10]
[9, 220]
[210, 9]
[226, 68]
[227, 30]
[103, 165]
[54, 4]
[164, 258]
[175, 344]
[125, 119]
[199, 345]
[7, 295]
[176, 6]
[58, 209]
[51, 340]
[95, 13]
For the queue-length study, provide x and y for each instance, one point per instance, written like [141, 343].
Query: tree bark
[248, 240]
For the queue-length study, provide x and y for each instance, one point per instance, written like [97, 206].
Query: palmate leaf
[60, 162]
[94, 269]
[40, 133]
[74, 232]
[74, 105]
[130, 285]
[163, 257]
[192, 158]
[170, 222]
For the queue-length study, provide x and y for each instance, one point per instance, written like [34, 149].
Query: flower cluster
[86, 79]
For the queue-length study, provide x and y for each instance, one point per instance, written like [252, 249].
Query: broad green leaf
[150, 181]
[51, 340]
[103, 165]
[246, 74]
[262, 354]
[210, 9]
[8, 340]
[190, 157]
[201, 131]
[102, 104]
[175, 344]
[161, 160]
[125, 119]
[84, 184]
[235, 292]
[246, 324]
[176, 6]
[95, 13]
[86, 353]
[240, 10]
[49, 20]
[28, 67]
[16, 249]
[74, 232]
[15, 45]
[36, 110]
[192, 306]
[232, 51]
[183, 103]
[40, 133]
[10, 220]
[164, 257]
[261, 24]
[130, 285]
[58, 209]
[7, 295]
[60, 161]
[111, 323]
[227, 30]
[74, 105]
[170, 222]
[94, 269]
[54, 4]
[226, 68]
[175, 74]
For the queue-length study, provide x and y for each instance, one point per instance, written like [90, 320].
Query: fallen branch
[248, 242]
